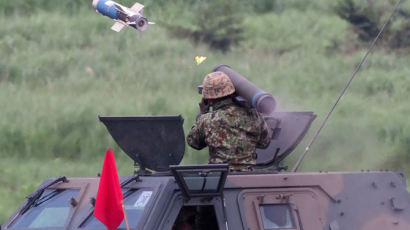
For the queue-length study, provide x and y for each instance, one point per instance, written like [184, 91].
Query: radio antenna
[295, 168]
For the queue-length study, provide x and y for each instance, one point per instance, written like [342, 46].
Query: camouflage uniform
[232, 133]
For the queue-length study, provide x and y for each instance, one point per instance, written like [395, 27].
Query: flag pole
[125, 215]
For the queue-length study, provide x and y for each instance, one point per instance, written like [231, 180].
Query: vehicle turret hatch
[287, 129]
[153, 142]
[200, 180]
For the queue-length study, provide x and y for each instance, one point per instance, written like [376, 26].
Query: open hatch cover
[200, 180]
[288, 130]
[154, 142]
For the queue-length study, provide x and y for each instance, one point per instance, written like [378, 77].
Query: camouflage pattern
[232, 134]
[317, 201]
[217, 85]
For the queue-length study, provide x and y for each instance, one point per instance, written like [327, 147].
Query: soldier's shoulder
[235, 109]
[244, 111]
[204, 118]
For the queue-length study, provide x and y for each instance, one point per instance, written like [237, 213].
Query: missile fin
[118, 26]
[137, 7]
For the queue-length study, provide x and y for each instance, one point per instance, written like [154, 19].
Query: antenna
[295, 168]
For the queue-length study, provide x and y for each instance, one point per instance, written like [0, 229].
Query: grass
[60, 71]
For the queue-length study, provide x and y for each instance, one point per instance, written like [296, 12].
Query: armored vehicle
[165, 195]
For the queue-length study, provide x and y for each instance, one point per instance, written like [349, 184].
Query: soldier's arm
[196, 137]
[264, 137]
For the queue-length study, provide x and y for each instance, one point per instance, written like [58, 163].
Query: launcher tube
[262, 101]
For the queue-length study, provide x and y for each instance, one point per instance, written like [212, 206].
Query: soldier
[231, 132]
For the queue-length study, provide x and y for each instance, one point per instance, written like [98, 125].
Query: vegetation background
[61, 66]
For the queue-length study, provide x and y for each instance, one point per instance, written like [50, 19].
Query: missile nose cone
[95, 2]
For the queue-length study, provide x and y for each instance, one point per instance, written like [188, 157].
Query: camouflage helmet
[217, 85]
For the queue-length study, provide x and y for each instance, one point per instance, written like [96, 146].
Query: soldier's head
[217, 85]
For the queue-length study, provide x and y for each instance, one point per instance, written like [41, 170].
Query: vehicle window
[198, 183]
[276, 216]
[51, 209]
[135, 201]
[202, 180]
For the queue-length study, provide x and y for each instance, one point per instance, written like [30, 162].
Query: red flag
[108, 205]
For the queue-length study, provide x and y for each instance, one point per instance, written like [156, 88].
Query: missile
[122, 15]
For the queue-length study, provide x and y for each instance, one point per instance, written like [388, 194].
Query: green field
[61, 66]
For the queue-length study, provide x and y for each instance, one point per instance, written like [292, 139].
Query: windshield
[51, 209]
[135, 201]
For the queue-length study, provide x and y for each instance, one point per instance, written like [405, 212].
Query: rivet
[73, 202]
[374, 184]
[92, 201]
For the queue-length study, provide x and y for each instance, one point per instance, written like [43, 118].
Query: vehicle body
[165, 195]
[309, 201]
